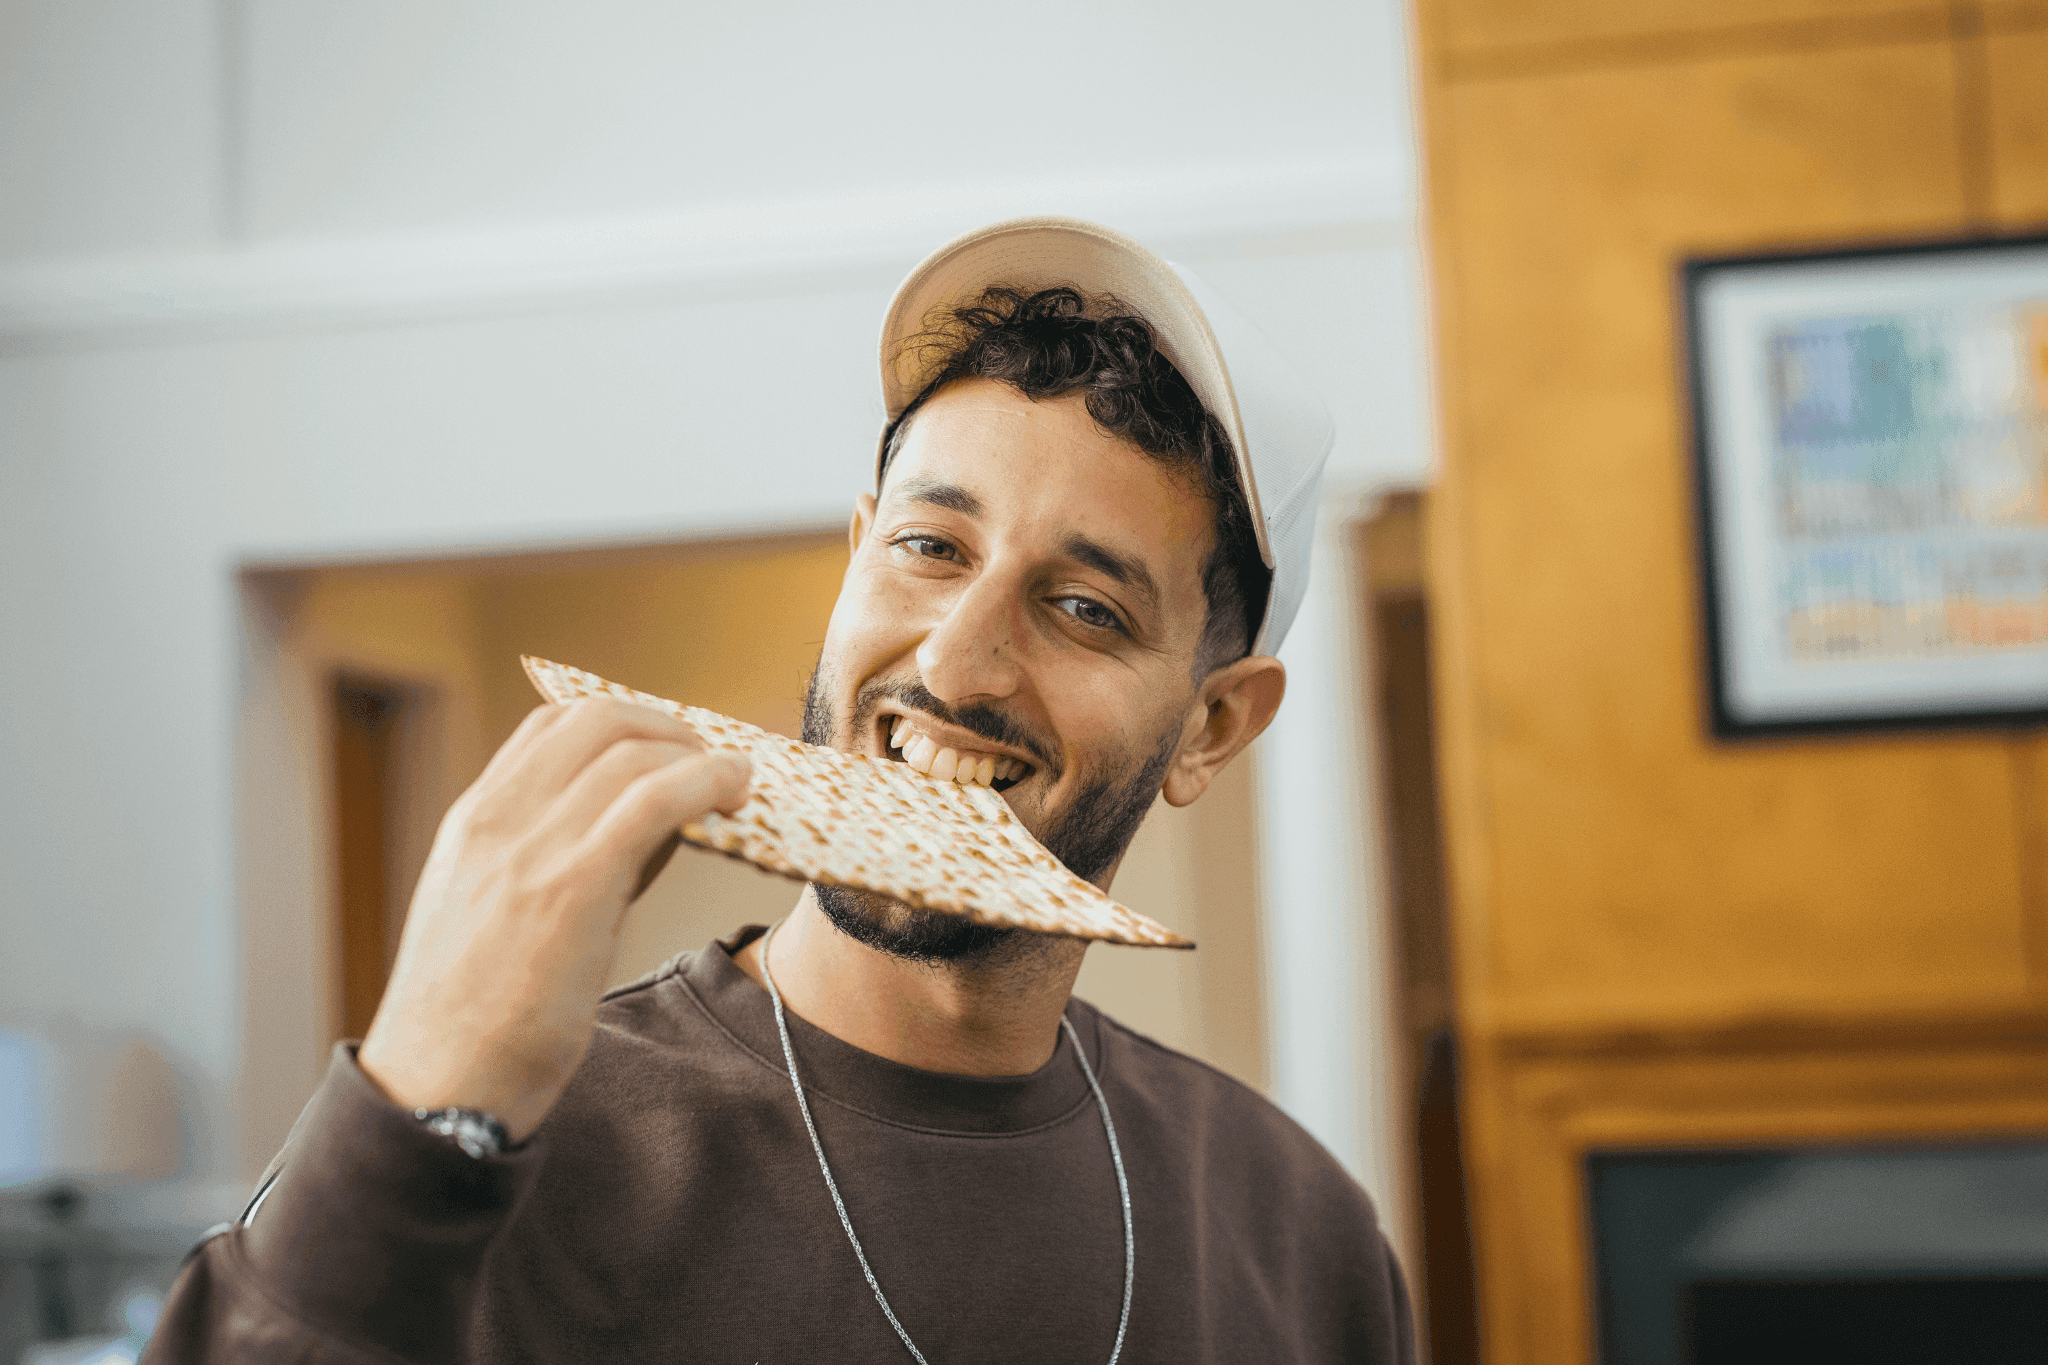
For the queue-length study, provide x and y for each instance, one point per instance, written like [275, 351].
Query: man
[872, 1133]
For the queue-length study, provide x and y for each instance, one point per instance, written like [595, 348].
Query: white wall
[299, 280]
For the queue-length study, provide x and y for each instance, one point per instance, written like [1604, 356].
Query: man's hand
[510, 938]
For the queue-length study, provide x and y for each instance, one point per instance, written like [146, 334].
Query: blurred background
[348, 351]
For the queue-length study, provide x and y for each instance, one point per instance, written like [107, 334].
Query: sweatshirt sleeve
[367, 1248]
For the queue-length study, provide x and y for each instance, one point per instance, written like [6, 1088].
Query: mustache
[998, 727]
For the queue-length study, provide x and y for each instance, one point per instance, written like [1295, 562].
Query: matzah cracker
[819, 815]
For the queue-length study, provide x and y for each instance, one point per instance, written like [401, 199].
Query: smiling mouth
[967, 767]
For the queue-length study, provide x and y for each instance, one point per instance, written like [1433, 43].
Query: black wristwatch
[474, 1131]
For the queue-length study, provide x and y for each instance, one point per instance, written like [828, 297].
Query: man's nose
[971, 651]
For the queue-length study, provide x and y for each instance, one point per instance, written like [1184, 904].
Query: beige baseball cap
[1278, 426]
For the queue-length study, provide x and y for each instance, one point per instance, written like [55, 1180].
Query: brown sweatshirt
[670, 1209]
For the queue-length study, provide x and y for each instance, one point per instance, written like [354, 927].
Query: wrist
[417, 1088]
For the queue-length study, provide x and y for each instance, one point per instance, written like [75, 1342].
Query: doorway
[367, 722]
[1397, 630]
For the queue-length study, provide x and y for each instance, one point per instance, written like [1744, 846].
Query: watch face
[474, 1131]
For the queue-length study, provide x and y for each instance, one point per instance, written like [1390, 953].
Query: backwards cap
[1278, 427]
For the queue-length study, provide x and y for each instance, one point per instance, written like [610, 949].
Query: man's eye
[1091, 613]
[929, 547]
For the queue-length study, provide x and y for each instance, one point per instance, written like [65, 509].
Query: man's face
[1026, 591]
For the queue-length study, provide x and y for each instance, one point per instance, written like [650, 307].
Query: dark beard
[1088, 837]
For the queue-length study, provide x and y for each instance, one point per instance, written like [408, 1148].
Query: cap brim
[1030, 254]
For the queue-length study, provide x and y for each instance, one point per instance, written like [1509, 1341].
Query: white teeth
[922, 754]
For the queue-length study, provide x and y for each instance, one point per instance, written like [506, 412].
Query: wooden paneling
[2016, 75]
[1752, 875]
[1578, 29]
[2030, 824]
[1660, 938]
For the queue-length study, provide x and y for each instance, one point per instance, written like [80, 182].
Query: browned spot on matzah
[819, 815]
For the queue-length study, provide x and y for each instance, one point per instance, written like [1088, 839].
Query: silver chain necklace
[1116, 1156]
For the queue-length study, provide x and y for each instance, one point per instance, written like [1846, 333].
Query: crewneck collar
[840, 1073]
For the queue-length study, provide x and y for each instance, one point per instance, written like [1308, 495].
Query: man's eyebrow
[938, 493]
[1125, 569]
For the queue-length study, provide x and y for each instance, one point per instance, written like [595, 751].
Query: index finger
[587, 728]
[541, 718]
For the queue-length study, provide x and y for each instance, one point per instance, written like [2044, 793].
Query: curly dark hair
[1056, 341]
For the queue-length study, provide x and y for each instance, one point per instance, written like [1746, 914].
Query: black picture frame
[1742, 315]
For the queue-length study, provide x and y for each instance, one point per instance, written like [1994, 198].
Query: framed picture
[1871, 438]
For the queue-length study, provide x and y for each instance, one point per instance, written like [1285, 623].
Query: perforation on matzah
[819, 815]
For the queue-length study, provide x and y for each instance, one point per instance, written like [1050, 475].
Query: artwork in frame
[1871, 441]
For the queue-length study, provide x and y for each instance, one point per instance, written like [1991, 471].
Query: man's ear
[863, 518]
[1234, 704]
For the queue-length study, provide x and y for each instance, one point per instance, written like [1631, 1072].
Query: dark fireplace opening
[1821, 1255]
[1873, 1322]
